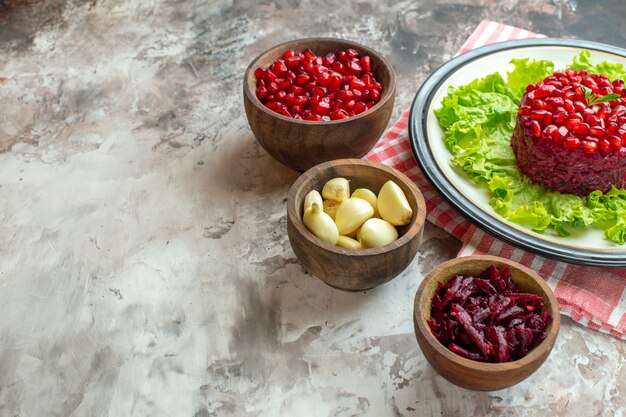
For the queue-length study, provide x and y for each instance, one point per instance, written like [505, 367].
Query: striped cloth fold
[592, 296]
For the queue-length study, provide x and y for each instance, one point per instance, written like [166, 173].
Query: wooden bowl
[302, 144]
[346, 269]
[474, 375]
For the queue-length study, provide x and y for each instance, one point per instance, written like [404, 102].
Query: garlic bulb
[368, 196]
[330, 208]
[320, 224]
[337, 189]
[312, 197]
[348, 242]
[393, 205]
[351, 214]
[377, 232]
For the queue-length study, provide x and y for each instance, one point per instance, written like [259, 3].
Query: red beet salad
[571, 132]
[486, 318]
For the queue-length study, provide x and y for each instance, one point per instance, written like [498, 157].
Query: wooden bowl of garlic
[355, 224]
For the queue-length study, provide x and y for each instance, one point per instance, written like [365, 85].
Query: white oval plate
[588, 246]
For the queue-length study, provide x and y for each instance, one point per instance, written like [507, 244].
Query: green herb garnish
[591, 98]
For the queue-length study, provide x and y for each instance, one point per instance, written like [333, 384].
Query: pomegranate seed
[318, 91]
[349, 104]
[550, 130]
[560, 118]
[604, 146]
[329, 59]
[539, 105]
[374, 95]
[339, 114]
[308, 54]
[272, 87]
[618, 110]
[282, 83]
[615, 142]
[593, 120]
[357, 84]
[366, 63]
[354, 68]
[322, 108]
[293, 62]
[295, 109]
[561, 133]
[535, 127]
[367, 79]
[554, 102]
[579, 106]
[279, 68]
[571, 122]
[590, 147]
[571, 143]
[334, 82]
[301, 79]
[605, 91]
[312, 117]
[261, 92]
[568, 105]
[278, 108]
[280, 96]
[301, 100]
[369, 104]
[597, 132]
[524, 110]
[295, 89]
[581, 129]
[259, 74]
[288, 54]
[539, 114]
[360, 107]
[337, 67]
[351, 53]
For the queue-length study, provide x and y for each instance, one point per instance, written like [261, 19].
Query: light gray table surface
[145, 268]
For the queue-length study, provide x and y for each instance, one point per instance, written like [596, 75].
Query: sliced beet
[486, 318]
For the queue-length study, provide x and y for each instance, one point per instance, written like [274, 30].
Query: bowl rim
[388, 92]
[416, 226]
[489, 367]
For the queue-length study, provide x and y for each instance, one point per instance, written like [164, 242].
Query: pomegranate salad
[564, 169]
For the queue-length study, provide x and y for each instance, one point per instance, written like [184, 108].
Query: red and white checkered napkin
[594, 297]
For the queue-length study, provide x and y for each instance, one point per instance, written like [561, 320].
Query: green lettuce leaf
[611, 70]
[527, 72]
[478, 121]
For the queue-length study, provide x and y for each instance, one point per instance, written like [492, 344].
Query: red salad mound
[486, 318]
[571, 132]
[305, 86]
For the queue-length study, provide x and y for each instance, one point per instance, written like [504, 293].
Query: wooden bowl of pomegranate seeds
[313, 100]
[485, 323]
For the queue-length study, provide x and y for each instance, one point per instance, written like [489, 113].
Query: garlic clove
[348, 242]
[393, 205]
[330, 208]
[312, 197]
[368, 196]
[377, 232]
[351, 214]
[337, 189]
[320, 224]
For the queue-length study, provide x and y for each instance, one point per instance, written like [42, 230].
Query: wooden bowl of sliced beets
[484, 322]
[314, 100]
